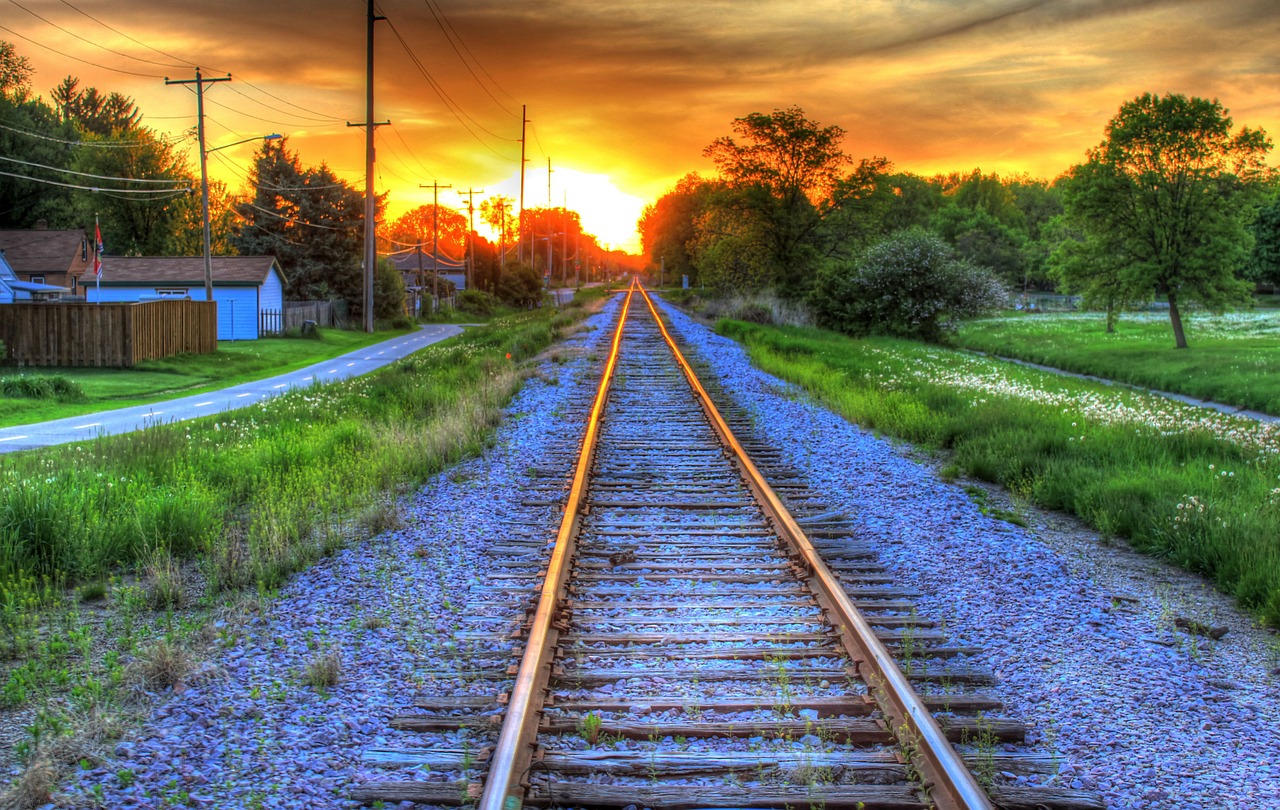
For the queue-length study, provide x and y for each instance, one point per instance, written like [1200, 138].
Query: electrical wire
[90, 144]
[236, 90]
[91, 42]
[168, 55]
[408, 148]
[126, 36]
[438, 18]
[82, 174]
[473, 56]
[295, 221]
[95, 189]
[78, 59]
[449, 103]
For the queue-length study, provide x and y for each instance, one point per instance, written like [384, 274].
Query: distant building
[455, 270]
[41, 256]
[245, 287]
[14, 290]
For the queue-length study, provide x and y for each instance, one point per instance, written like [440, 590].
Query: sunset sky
[624, 95]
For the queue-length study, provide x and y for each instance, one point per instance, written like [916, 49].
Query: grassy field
[1233, 359]
[1193, 486]
[252, 495]
[155, 380]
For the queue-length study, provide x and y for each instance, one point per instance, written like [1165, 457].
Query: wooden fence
[118, 335]
[295, 312]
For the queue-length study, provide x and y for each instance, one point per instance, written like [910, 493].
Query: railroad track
[707, 634]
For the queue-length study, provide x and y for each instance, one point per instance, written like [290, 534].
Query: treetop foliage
[1164, 204]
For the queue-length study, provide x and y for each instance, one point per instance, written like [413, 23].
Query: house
[244, 287]
[409, 263]
[14, 290]
[58, 258]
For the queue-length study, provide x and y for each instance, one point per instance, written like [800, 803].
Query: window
[37, 279]
[171, 293]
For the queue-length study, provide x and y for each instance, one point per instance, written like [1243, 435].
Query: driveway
[126, 420]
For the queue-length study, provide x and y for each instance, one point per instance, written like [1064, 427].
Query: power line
[85, 39]
[166, 54]
[90, 144]
[468, 50]
[461, 58]
[126, 36]
[78, 59]
[295, 221]
[83, 174]
[167, 191]
[282, 112]
[421, 165]
[449, 103]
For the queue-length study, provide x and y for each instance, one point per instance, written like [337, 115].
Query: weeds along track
[707, 634]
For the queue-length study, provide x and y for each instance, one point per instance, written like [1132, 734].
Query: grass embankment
[1198, 489]
[88, 390]
[1232, 359]
[242, 499]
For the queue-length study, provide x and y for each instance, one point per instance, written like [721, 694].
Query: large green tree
[310, 220]
[34, 133]
[781, 173]
[1168, 197]
[156, 223]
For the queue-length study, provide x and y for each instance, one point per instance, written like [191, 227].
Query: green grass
[156, 380]
[1232, 359]
[1199, 490]
[257, 493]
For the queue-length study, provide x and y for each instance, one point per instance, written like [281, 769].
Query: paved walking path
[126, 420]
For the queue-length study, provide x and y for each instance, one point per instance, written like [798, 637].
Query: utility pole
[551, 275]
[471, 237]
[200, 81]
[435, 238]
[564, 236]
[370, 207]
[524, 119]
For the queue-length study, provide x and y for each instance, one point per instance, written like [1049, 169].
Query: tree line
[60, 151]
[1174, 205]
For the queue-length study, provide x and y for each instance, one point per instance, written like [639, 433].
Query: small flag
[97, 251]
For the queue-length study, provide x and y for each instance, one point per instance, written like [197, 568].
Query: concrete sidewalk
[126, 420]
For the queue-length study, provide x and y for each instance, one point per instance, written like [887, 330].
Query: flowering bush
[910, 284]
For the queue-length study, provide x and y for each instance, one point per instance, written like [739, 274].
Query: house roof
[184, 271]
[27, 286]
[41, 252]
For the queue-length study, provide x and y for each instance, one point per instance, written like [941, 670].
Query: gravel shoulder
[1080, 629]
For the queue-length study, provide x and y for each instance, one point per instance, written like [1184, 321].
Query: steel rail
[947, 780]
[504, 789]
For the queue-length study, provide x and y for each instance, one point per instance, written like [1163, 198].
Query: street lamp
[204, 204]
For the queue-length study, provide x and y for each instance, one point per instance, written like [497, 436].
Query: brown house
[58, 258]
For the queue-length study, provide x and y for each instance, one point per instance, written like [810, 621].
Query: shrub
[910, 284]
[520, 286]
[476, 302]
[35, 386]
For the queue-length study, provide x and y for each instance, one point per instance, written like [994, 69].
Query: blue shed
[244, 287]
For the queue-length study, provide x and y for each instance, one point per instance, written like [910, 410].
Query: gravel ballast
[1079, 631]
